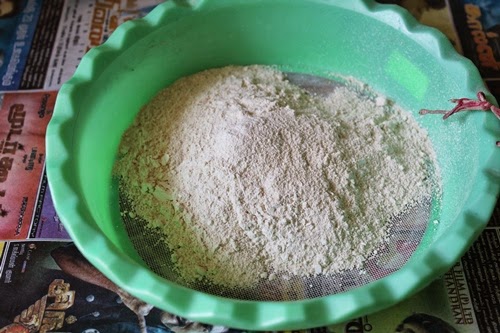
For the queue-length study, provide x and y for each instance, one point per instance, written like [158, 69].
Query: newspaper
[478, 25]
[23, 120]
[21, 43]
[85, 24]
[46, 285]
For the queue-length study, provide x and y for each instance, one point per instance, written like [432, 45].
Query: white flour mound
[250, 177]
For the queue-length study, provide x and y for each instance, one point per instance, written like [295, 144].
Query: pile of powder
[250, 177]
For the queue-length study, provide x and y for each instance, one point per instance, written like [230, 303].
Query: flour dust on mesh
[250, 177]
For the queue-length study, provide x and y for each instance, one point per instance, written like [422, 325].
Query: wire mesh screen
[405, 235]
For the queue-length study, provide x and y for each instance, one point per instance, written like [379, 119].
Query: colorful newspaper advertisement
[23, 122]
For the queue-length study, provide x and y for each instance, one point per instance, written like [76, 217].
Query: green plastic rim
[104, 250]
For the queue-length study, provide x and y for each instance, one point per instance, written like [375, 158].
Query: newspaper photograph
[27, 36]
[478, 25]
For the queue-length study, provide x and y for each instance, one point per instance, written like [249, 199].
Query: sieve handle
[188, 3]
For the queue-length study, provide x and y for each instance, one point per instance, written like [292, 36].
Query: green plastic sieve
[380, 45]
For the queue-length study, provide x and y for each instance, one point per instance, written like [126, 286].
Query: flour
[250, 177]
